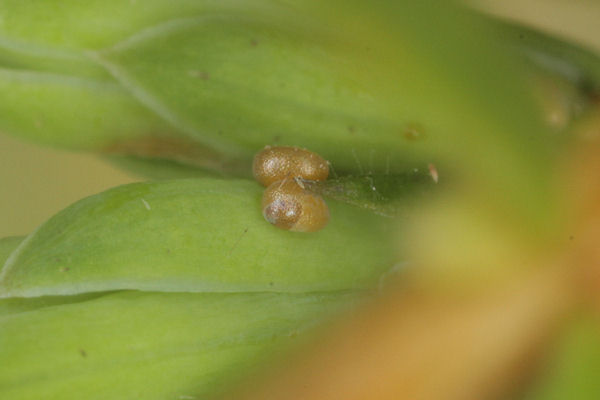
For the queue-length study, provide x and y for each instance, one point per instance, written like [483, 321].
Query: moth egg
[287, 205]
[276, 163]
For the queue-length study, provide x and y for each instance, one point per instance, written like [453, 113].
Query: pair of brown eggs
[286, 203]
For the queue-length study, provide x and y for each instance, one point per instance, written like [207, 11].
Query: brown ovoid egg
[288, 205]
[276, 163]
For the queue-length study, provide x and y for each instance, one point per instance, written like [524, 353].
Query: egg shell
[287, 205]
[277, 163]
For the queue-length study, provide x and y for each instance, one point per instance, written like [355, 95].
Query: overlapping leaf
[202, 235]
[348, 81]
[146, 345]
[7, 246]
[71, 111]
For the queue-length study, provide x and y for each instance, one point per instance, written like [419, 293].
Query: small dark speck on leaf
[199, 74]
[276, 139]
[571, 237]
[413, 132]
[271, 283]
[351, 129]
[237, 242]
[83, 353]
[168, 251]
[64, 269]
[254, 43]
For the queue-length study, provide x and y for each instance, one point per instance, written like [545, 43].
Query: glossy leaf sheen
[202, 235]
[146, 345]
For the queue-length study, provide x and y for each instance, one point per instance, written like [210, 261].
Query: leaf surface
[7, 246]
[72, 112]
[147, 345]
[203, 235]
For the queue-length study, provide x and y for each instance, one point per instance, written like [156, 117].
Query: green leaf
[17, 305]
[7, 246]
[14, 57]
[342, 78]
[572, 372]
[202, 235]
[64, 28]
[148, 345]
[388, 195]
[72, 112]
[239, 83]
[236, 81]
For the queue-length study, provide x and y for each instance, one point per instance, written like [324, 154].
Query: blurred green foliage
[572, 371]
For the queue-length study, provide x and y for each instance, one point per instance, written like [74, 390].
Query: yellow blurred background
[36, 182]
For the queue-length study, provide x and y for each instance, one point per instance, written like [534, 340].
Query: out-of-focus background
[37, 182]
